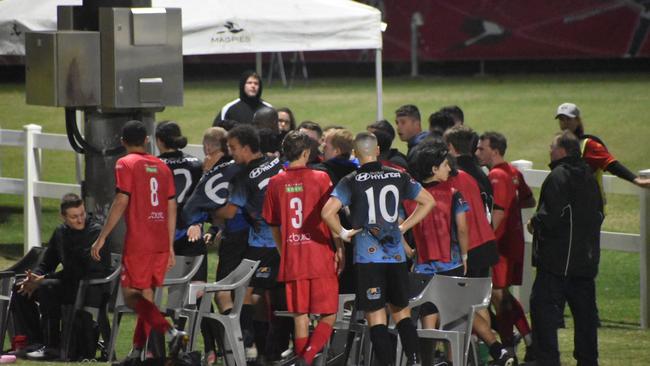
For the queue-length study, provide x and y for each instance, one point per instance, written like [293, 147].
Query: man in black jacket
[250, 100]
[69, 246]
[566, 252]
[461, 143]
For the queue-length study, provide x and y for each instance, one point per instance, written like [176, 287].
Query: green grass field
[614, 107]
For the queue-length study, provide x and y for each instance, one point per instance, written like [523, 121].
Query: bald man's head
[365, 146]
[266, 117]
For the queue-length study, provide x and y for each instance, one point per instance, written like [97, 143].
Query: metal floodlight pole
[416, 22]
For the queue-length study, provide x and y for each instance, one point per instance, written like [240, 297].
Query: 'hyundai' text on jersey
[374, 194]
[247, 192]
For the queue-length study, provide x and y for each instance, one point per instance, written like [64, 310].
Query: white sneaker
[134, 354]
[251, 354]
[44, 353]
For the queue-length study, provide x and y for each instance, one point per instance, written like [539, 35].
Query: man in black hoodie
[250, 100]
[566, 252]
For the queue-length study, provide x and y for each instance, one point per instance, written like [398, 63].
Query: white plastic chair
[457, 300]
[7, 280]
[177, 280]
[237, 281]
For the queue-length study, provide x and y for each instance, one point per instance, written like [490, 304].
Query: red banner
[518, 29]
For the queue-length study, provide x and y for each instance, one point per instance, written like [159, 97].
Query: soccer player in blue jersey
[247, 192]
[373, 194]
[210, 194]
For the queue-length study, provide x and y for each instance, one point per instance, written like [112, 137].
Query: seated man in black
[69, 246]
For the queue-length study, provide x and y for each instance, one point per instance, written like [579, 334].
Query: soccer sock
[246, 322]
[504, 325]
[426, 350]
[317, 341]
[140, 334]
[496, 350]
[381, 344]
[299, 345]
[261, 329]
[151, 315]
[209, 331]
[277, 340]
[519, 318]
[409, 337]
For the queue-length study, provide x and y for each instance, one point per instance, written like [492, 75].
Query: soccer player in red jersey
[308, 262]
[511, 194]
[146, 196]
[443, 236]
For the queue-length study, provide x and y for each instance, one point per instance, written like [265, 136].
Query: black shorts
[231, 252]
[267, 272]
[481, 259]
[381, 283]
[186, 248]
[192, 249]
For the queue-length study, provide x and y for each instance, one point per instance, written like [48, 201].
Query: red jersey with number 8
[149, 184]
[294, 200]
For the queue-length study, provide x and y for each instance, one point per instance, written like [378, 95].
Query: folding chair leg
[4, 321]
[69, 316]
[456, 351]
[117, 317]
[236, 341]
[322, 360]
[193, 327]
[398, 353]
[367, 349]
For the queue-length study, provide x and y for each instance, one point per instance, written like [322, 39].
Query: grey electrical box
[62, 68]
[142, 58]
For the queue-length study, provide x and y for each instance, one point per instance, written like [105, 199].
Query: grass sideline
[614, 107]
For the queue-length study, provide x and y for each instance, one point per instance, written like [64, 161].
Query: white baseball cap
[568, 109]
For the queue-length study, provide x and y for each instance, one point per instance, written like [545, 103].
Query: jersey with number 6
[211, 193]
[294, 200]
[374, 194]
[150, 185]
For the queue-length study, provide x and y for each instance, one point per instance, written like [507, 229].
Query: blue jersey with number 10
[374, 194]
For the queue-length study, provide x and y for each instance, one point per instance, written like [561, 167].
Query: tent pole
[378, 78]
[258, 63]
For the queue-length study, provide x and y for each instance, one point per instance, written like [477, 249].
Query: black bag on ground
[186, 359]
[83, 345]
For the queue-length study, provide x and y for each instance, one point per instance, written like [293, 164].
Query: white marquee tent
[233, 26]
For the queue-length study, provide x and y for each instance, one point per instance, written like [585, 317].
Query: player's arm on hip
[425, 203]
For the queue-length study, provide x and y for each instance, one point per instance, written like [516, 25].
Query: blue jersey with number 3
[374, 194]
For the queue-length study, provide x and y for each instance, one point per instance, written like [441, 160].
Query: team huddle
[326, 212]
[291, 211]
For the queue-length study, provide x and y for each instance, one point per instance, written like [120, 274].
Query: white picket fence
[32, 188]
